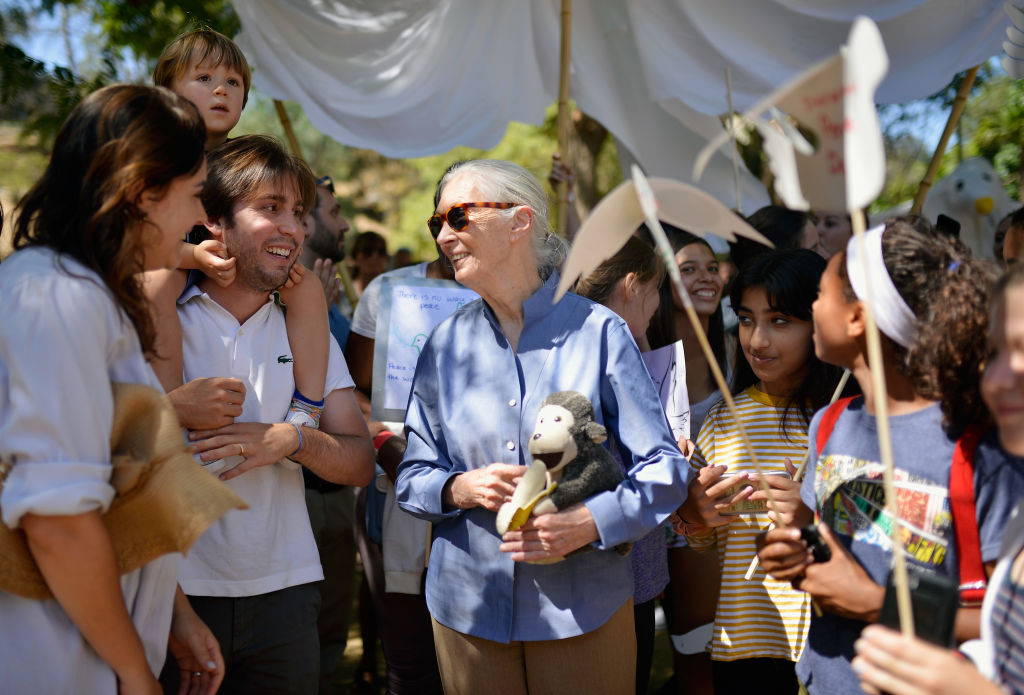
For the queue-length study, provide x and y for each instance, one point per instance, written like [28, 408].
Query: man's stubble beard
[249, 271]
[323, 243]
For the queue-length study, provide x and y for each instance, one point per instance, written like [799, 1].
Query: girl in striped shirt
[761, 623]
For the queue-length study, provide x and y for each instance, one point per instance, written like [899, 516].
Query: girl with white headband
[929, 301]
[887, 661]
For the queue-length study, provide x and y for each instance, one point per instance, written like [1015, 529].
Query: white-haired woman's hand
[488, 487]
[551, 536]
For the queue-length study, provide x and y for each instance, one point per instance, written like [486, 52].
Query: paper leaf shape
[616, 217]
[834, 102]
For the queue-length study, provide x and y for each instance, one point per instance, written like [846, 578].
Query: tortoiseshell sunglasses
[456, 216]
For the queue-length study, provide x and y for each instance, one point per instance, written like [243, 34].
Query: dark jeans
[765, 676]
[643, 621]
[331, 518]
[406, 633]
[269, 642]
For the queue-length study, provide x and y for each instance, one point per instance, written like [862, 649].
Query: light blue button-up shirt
[474, 402]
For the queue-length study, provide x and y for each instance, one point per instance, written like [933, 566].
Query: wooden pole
[289, 132]
[340, 269]
[735, 149]
[881, 402]
[563, 113]
[664, 249]
[346, 284]
[940, 149]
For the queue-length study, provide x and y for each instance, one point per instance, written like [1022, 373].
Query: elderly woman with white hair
[502, 625]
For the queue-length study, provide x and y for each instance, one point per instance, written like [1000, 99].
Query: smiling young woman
[117, 196]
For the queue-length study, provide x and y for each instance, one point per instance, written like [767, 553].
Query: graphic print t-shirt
[847, 494]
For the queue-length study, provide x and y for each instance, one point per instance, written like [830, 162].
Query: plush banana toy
[569, 464]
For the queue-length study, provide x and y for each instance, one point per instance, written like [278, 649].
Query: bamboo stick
[881, 402]
[340, 269]
[801, 470]
[564, 114]
[735, 149]
[346, 284]
[665, 250]
[289, 132]
[954, 116]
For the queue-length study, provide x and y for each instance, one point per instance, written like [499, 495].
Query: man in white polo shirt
[252, 575]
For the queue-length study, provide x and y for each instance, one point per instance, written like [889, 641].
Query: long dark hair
[120, 141]
[789, 279]
[663, 326]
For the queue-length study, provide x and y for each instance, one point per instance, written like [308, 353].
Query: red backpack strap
[828, 421]
[965, 518]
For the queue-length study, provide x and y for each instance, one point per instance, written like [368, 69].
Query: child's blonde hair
[201, 44]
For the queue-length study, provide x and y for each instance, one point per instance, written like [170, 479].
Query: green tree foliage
[995, 120]
[133, 30]
[146, 27]
[906, 160]
[395, 196]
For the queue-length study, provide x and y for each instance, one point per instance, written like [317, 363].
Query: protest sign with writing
[409, 310]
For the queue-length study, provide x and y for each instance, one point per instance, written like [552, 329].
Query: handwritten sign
[832, 101]
[409, 310]
[667, 367]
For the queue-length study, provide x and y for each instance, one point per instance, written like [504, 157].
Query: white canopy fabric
[410, 78]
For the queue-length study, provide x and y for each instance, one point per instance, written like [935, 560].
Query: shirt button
[512, 403]
[511, 446]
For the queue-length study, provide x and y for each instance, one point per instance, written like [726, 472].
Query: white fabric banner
[410, 78]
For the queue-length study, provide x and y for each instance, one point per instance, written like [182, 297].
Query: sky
[45, 41]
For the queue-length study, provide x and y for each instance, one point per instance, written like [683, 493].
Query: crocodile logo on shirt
[284, 359]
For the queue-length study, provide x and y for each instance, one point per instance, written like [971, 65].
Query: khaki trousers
[599, 662]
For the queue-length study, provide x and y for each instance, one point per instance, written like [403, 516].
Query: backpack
[961, 501]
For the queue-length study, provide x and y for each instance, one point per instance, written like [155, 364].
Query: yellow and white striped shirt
[762, 617]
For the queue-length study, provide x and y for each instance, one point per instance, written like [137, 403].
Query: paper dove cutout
[833, 100]
[1013, 61]
[619, 213]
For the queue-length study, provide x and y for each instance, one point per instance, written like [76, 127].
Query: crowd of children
[750, 605]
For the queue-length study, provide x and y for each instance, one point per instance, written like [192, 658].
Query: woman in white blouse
[117, 197]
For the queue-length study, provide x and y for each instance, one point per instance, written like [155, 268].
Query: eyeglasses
[326, 182]
[456, 216]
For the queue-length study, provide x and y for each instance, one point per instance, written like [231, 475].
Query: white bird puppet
[974, 196]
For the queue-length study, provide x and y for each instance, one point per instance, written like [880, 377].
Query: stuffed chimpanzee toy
[569, 465]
